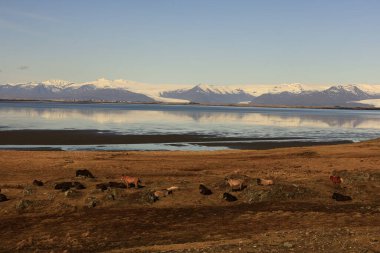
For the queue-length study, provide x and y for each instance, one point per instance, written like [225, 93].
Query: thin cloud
[12, 20]
[23, 67]
[4, 24]
[30, 15]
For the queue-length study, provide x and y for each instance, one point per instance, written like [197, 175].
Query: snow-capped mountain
[340, 95]
[203, 93]
[63, 90]
[129, 91]
[151, 90]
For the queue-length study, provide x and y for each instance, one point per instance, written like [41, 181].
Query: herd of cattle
[129, 181]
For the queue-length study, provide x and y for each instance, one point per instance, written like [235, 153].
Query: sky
[189, 42]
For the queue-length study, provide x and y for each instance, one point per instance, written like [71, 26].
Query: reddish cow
[131, 180]
[336, 179]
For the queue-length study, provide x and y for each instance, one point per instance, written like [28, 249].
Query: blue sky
[190, 42]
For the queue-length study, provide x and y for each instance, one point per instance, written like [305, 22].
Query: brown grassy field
[296, 214]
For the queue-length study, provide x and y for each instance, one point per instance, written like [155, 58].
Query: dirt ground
[296, 214]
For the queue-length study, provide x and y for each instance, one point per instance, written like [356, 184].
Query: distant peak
[214, 88]
[56, 82]
[347, 87]
[103, 80]
[293, 88]
[204, 86]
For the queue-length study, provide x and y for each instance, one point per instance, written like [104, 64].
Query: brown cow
[161, 193]
[236, 184]
[261, 181]
[172, 188]
[131, 180]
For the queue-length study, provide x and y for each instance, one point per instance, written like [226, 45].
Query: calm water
[222, 121]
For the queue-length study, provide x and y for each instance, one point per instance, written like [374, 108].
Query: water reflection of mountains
[300, 120]
[323, 119]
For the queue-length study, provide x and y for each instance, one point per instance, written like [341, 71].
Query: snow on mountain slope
[203, 93]
[218, 89]
[340, 95]
[151, 90]
[64, 90]
[58, 83]
[296, 88]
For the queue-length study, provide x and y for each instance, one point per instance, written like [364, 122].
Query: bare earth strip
[296, 214]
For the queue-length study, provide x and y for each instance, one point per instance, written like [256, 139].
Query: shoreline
[23, 138]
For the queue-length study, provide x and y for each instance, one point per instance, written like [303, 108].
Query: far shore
[250, 105]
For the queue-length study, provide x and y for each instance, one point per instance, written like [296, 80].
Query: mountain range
[129, 91]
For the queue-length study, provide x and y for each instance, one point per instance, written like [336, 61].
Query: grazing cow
[336, 179]
[172, 188]
[152, 197]
[340, 197]
[131, 180]
[204, 190]
[261, 181]
[3, 197]
[102, 186]
[78, 186]
[229, 197]
[64, 186]
[116, 185]
[236, 184]
[105, 186]
[38, 183]
[84, 173]
[161, 193]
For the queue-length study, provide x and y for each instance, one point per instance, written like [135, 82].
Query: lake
[241, 124]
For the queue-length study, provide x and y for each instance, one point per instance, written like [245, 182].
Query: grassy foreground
[295, 214]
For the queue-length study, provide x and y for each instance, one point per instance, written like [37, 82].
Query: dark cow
[65, 186]
[38, 183]
[152, 197]
[78, 186]
[102, 186]
[105, 186]
[229, 197]
[204, 190]
[3, 197]
[340, 197]
[84, 173]
[336, 179]
[117, 185]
